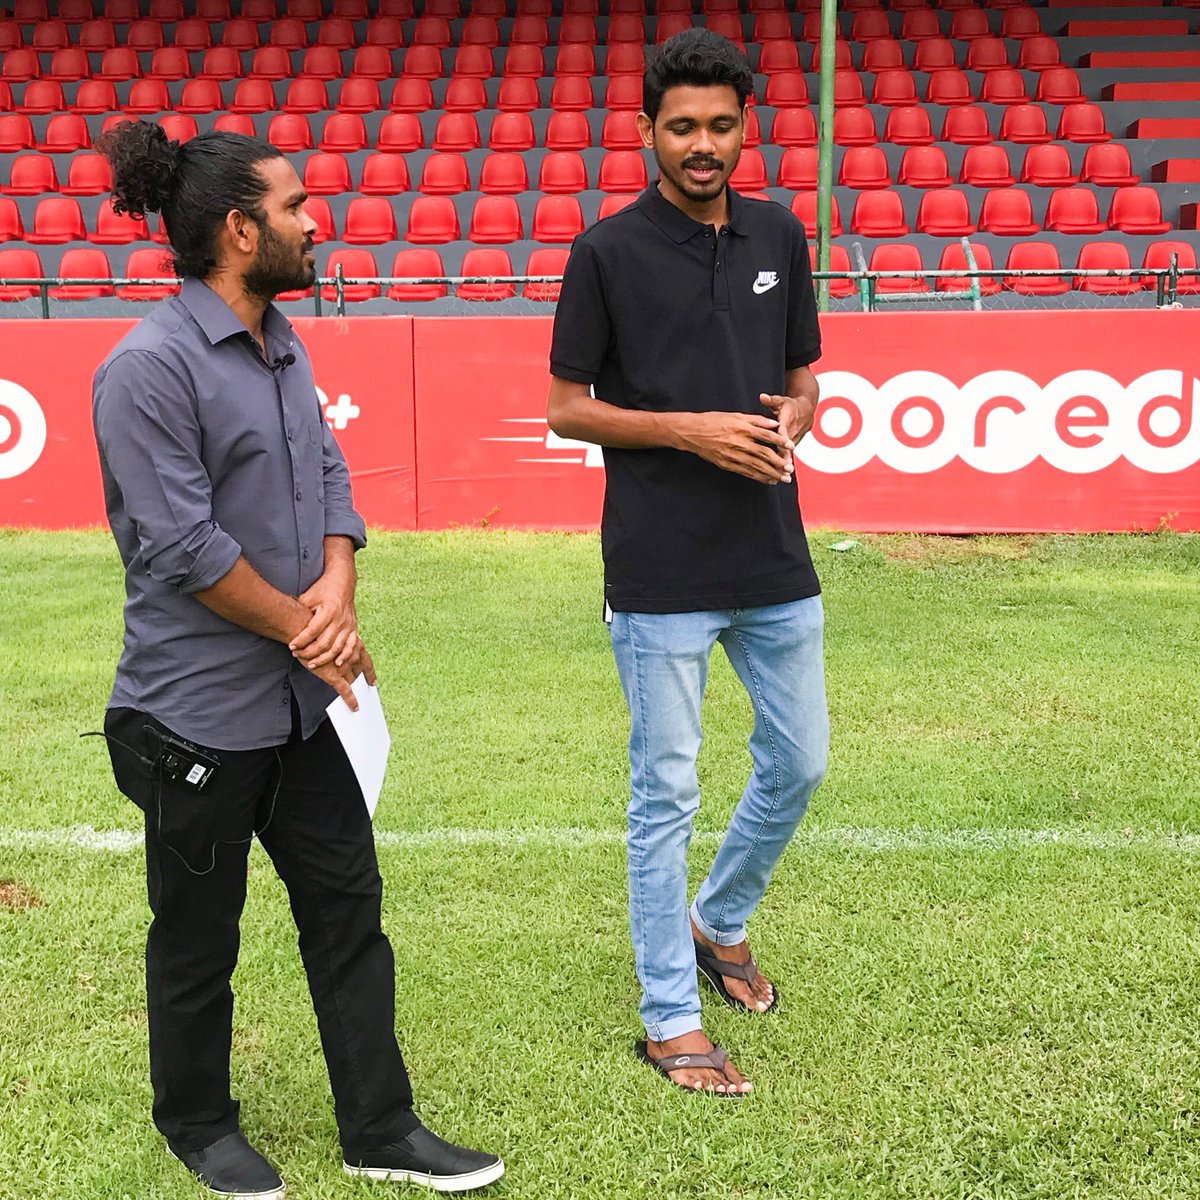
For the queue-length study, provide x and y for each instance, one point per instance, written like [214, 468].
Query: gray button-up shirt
[208, 453]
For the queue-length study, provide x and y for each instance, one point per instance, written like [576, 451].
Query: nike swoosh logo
[759, 288]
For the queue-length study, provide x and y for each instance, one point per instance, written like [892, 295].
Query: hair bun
[144, 162]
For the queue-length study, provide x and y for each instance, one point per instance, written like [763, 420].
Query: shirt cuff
[348, 525]
[803, 359]
[212, 563]
[574, 374]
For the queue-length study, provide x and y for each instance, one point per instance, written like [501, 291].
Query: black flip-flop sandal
[714, 1060]
[713, 969]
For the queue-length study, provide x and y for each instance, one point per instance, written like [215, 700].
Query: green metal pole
[825, 145]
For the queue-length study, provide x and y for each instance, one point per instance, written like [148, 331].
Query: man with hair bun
[682, 343]
[230, 505]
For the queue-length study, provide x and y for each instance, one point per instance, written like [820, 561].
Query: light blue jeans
[662, 659]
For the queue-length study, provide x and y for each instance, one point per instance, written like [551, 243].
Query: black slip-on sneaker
[232, 1167]
[423, 1157]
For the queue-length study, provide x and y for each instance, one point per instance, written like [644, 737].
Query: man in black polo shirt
[681, 345]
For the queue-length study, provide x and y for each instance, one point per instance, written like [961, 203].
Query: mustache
[703, 164]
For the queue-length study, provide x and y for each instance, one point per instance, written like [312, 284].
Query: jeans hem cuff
[663, 1031]
[727, 937]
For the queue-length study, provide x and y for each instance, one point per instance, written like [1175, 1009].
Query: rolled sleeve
[150, 444]
[582, 323]
[341, 520]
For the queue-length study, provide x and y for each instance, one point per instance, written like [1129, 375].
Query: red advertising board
[950, 422]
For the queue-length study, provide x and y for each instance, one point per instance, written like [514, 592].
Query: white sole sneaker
[272, 1194]
[440, 1183]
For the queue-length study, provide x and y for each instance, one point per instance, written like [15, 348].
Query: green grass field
[986, 935]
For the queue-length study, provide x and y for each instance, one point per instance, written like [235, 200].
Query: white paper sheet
[365, 738]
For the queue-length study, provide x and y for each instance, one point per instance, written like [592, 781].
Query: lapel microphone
[283, 362]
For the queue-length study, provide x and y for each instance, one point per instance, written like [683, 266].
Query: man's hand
[331, 635]
[341, 678]
[745, 444]
[794, 413]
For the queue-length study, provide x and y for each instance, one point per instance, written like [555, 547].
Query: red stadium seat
[966, 125]
[432, 31]
[31, 175]
[562, 173]
[369, 221]
[318, 208]
[919, 23]
[1136, 210]
[386, 32]
[867, 25]
[148, 263]
[839, 260]
[804, 209]
[986, 166]
[88, 175]
[480, 30]
[511, 131]
[337, 33]
[472, 62]
[1158, 257]
[752, 134]
[204, 96]
[289, 33]
[16, 133]
[432, 221]
[372, 62]
[750, 174]
[112, 229]
[411, 95]
[614, 202]
[1038, 54]
[495, 221]
[557, 219]
[770, 26]
[910, 126]
[626, 27]
[178, 126]
[422, 62]
[306, 96]
[1003, 86]
[1059, 85]
[384, 175]
[444, 174]
[118, 64]
[355, 264]
[485, 263]
[456, 133]
[568, 131]
[576, 29]
[1047, 166]
[193, 36]
[20, 66]
[269, 62]
[895, 89]
[343, 133]
[304, 10]
[224, 64]
[250, 96]
[144, 36]
[503, 174]
[43, 96]
[969, 23]
[234, 123]
[1074, 210]
[94, 96]
[935, 54]
[167, 11]
[900, 257]
[924, 167]
[883, 54]
[518, 94]
[944, 213]
[1025, 123]
[950, 88]
[954, 259]
[97, 36]
[359, 96]
[19, 264]
[523, 60]
[1105, 256]
[70, 65]
[778, 56]
[627, 58]
[400, 9]
[854, 127]
[1108, 165]
[1035, 256]
[545, 262]
[326, 175]
[417, 264]
[219, 10]
[1007, 211]
[575, 59]
[240, 33]
[986, 54]
[796, 127]
[464, 95]
[85, 262]
[322, 62]
[570, 93]
[864, 167]
[668, 24]
[351, 10]
[619, 131]
[1082, 123]
[1020, 23]
[65, 133]
[847, 88]
[529, 31]
[841, 57]
[787, 89]
[56, 220]
[399, 133]
[798, 169]
[878, 215]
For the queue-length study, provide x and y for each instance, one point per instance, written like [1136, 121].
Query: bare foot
[757, 996]
[699, 1078]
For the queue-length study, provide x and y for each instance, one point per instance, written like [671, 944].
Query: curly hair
[695, 58]
[193, 184]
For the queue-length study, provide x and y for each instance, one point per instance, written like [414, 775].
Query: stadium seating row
[152, 263]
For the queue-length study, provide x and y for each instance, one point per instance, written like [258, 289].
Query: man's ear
[645, 128]
[241, 231]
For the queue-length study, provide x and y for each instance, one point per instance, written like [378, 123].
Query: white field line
[811, 838]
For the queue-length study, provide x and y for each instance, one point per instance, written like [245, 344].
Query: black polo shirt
[663, 314]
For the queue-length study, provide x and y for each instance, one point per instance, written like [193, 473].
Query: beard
[698, 192]
[278, 266]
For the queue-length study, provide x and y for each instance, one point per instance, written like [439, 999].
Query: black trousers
[304, 802]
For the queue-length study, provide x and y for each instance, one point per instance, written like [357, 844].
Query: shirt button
[289, 435]
[304, 554]
[299, 495]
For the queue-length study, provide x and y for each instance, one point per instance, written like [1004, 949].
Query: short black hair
[194, 184]
[695, 57]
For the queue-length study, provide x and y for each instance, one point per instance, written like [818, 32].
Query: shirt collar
[677, 225]
[218, 320]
